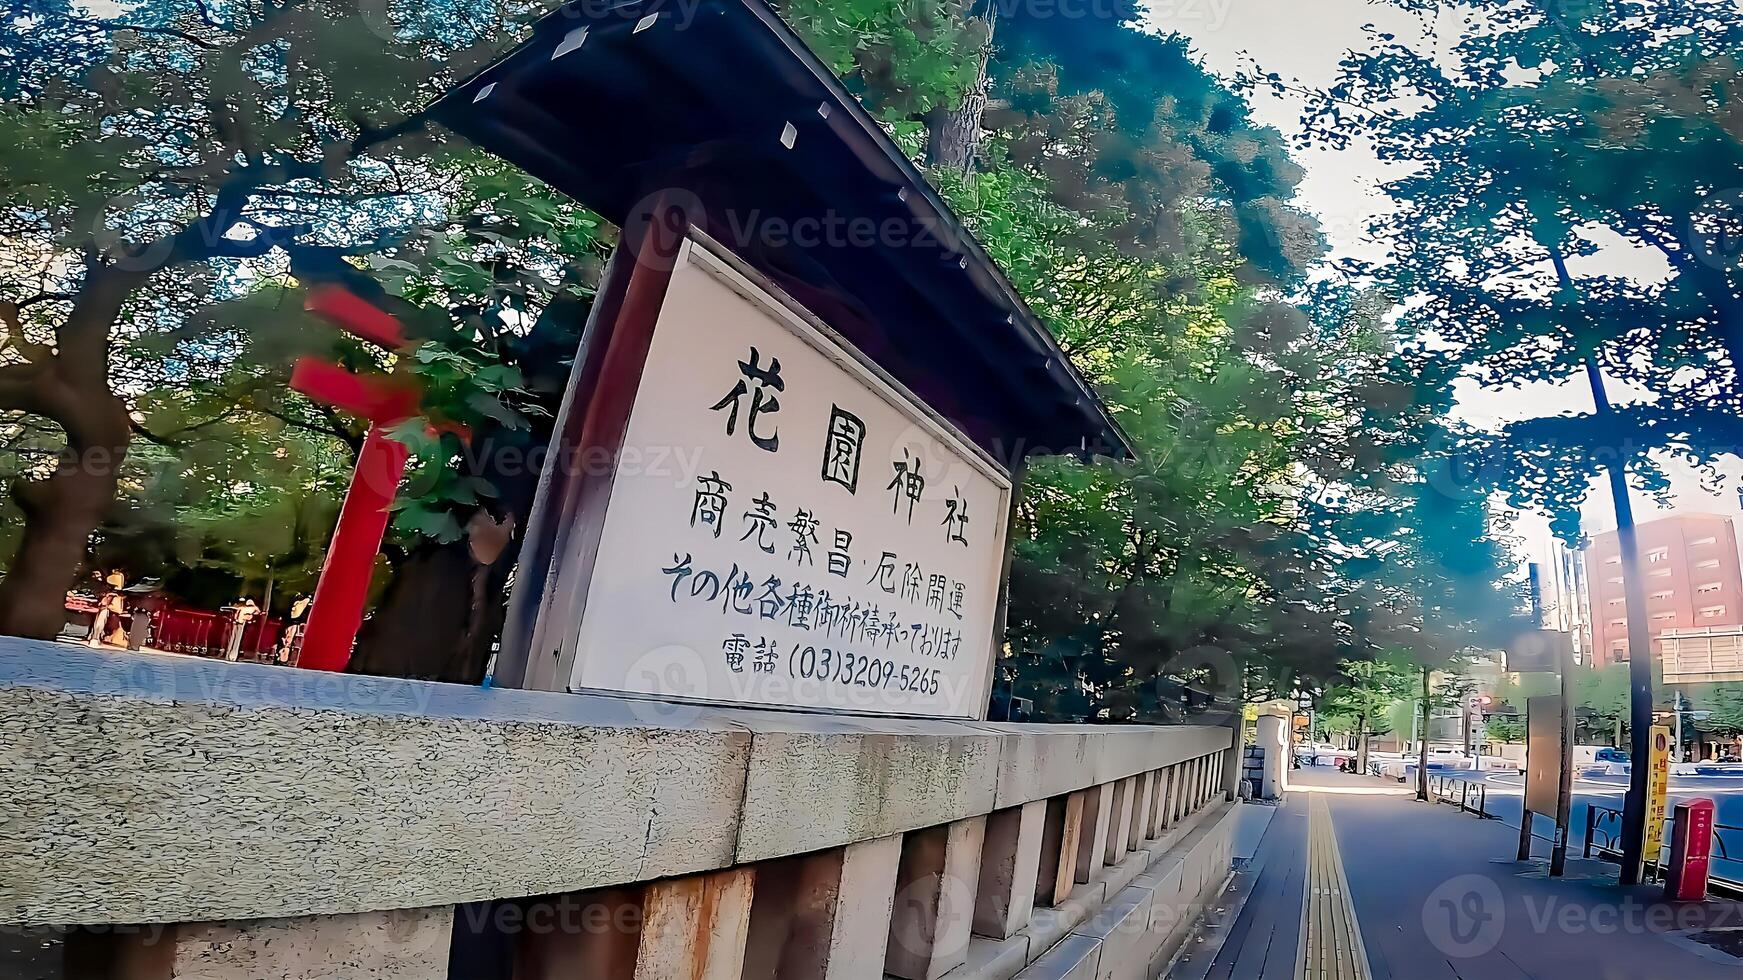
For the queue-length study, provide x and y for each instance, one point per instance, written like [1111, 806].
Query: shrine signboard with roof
[783, 472]
[790, 527]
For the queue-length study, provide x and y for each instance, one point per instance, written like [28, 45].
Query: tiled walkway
[1437, 896]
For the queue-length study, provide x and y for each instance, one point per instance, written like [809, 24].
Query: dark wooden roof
[718, 101]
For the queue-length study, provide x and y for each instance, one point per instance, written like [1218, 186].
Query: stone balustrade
[181, 818]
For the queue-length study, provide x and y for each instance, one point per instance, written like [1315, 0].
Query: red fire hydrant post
[337, 611]
[1691, 851]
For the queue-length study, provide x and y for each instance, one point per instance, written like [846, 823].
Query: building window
[1706, 540]
[1618, 622]
[1616, 581]
[1613, 560]
[1657, 555]
[1659, 573]
[1662, 616]
[1712, 612]
[1619, 652]
[1708, 587]
[1667, 593]
[1707, 563]
[1615, 602]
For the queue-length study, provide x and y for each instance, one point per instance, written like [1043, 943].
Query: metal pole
[1676, 741]
[1422, 719]
[1465, 720]
[1564, 793]
[1639, 656]
[1524, 804]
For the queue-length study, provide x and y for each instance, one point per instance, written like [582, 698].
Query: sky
[1303, 40]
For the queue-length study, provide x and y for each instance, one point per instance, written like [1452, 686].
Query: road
[1504, 794]
[1355, 879]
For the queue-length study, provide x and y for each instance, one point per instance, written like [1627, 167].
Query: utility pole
[1564, 791]
[1639, 654]
[1420, 722]
[1465, 723]
[1676, 746]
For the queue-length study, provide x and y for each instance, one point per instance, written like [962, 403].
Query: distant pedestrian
[241, 614]
[146, 599]
[287, 643]
[106, 627]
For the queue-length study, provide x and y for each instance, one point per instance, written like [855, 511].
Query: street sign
[1658, 786]
[1538, 651]
[1543, 737]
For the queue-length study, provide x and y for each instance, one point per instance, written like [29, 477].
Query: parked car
[1321, 754]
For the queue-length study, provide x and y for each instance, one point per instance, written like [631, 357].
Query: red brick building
[1691, 579]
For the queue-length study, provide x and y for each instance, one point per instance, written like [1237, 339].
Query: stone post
[1010, 861]
[1273, 738]
[1136, 834]
[934, 903]
[1158, 800]
[1070, 845]
[1098, 805]
[695, 927]
[1119, 821]
[824, 916]
[410, 944]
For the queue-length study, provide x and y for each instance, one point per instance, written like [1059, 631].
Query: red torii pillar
[337, 610]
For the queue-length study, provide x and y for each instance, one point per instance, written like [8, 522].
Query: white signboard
[787, 528]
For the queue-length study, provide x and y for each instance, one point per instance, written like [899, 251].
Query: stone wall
[266, 822]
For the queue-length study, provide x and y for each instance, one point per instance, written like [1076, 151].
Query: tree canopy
[176, 175]
[1567, 204]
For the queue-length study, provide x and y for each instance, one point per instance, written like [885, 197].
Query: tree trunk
[71, 388]
[954, 133]
[440, 617]
[431, 620]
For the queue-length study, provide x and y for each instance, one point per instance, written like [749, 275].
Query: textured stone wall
[145, 788]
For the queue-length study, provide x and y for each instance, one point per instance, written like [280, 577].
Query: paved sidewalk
[1437, 896]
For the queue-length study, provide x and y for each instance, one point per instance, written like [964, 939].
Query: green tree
[1552, 130]
[1508, 729]
[1367, 692]
[1602, 697]
[1724, 704]
[163, 157]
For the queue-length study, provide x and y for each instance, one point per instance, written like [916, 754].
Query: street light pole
[1639, 655]
[1465, 722]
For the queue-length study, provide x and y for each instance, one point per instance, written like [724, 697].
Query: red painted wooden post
[337, 611]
